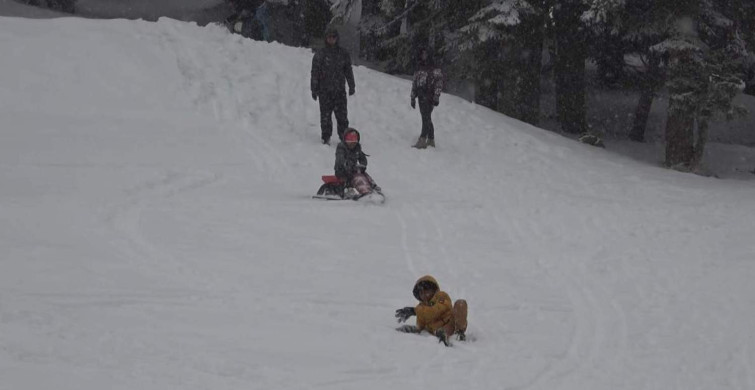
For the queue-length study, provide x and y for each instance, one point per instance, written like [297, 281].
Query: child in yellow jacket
[434, 312]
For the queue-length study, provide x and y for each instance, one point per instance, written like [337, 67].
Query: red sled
[361, 187]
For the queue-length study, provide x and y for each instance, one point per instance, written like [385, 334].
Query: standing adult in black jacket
[331, 70]
[427, 87]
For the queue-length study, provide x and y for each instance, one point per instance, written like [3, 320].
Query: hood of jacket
[426, 278]
[331, 31]
[427, 62]
[353, 130]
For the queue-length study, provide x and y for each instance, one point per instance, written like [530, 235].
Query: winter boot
[461, 335]
[326, 141]
[421, 143]
[442, 337]
[431, 142]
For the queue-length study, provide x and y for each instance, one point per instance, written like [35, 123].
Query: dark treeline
[58, 5]
[697, 50]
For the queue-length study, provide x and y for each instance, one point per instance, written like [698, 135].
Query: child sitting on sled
[350, 159]
[434, 312]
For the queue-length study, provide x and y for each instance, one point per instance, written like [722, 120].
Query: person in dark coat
[249, 19]
[426, 86]
[331, 70]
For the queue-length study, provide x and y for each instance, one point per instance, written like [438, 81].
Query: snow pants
[426, 110]
[330, 103]
[458, 322]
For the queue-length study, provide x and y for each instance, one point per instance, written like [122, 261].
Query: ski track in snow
[125, 218]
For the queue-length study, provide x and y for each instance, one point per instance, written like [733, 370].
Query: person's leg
[460, 317]
[342, 113]
[326, 116]
[425, 108]
[430, 127]
[448, 329]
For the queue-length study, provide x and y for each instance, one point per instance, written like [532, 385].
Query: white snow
[157, 232]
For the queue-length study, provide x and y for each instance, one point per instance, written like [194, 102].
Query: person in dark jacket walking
[331, 70]
[426, 86]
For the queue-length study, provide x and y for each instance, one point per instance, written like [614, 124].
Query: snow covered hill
[158, 233]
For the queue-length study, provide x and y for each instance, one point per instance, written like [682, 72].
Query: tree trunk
[571, 53]
[486, 92]
[651, 81]
[528, 107]
[641, 114]
[679, 137]
[702, 139]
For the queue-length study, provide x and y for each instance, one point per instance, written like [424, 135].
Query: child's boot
[431, 142]
[442, 337]
[421, 143]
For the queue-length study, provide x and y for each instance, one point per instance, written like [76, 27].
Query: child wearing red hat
[350, 159]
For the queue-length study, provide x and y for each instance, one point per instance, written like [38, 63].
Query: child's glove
[404, 314]
[414, 103]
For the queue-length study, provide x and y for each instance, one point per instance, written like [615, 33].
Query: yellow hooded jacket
[435, 313]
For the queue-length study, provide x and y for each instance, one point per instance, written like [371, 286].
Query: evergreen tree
[503, 42]
[632, 27]
[58, 5]
[705, 70]
[316, 17]
[570, 36]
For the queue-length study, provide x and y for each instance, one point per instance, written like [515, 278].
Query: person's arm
[438, 85]
[315, 74]
[414, 86]
[341, 162]
[349, 73]
[421, 323]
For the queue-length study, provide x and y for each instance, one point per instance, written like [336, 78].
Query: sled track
[125, 217]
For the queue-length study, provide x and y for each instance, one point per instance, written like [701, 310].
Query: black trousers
[333, 102]
[426, 110]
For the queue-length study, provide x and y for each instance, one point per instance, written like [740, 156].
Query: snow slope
[157, 232]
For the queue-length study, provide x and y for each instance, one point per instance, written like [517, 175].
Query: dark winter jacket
[435, 313]
[347, 159]
[427, 83]
[331, 70]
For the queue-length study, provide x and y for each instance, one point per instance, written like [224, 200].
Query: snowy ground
[157, 232]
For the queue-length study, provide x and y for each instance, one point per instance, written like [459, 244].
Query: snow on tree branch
[501, 13]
